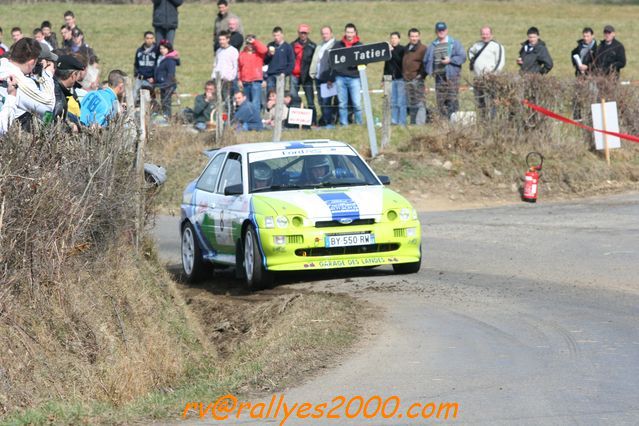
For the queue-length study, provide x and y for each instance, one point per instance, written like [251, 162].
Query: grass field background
[115, 31]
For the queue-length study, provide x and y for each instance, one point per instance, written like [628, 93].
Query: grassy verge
[255, 345]
[115, 31]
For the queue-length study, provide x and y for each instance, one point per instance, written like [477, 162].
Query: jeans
[253, 92]
[165, 95]
[349, 87]
[328, 107]
[140, 84]
[447, 90]
[308, 92]
[398, 102]
[271, 83]
[164, 34]
[416, 98]
[484, 99]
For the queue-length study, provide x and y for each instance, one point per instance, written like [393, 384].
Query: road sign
[345, 57]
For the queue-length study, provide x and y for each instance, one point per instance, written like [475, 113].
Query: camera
[37, 70]
[3, 83]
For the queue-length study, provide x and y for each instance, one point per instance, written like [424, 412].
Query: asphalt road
[525, 314]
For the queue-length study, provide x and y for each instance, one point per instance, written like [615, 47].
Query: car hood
[363, 202]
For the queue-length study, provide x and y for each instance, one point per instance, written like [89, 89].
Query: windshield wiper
[339, 184]
[280, 188]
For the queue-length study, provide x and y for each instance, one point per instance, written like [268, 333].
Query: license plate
[346, 240]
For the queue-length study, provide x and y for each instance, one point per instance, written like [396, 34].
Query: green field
[116, 31]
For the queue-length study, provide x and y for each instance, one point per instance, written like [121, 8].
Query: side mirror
[385, 180]
[234, 189]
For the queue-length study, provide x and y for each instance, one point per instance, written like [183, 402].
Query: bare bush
[63, 194]
[82, 317]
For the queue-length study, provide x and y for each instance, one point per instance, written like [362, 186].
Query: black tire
[194, 267]
[255, 275]
[408, 268]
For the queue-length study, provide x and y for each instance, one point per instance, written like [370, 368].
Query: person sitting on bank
[204, 105]
[246, 116]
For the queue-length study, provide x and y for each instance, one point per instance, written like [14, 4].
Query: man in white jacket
[486, 56]
[320, 71]
[35, 95]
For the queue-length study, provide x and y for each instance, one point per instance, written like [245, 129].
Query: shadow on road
[224, 282]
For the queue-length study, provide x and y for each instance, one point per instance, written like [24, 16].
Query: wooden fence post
[386, 111]
[279, 104]
[139, 169]
[219, 107]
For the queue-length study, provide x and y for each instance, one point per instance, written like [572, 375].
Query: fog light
[280, 240]
[411, 232]
[282, 221]
[269, 222]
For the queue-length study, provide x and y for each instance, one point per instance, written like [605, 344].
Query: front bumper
[304, 248]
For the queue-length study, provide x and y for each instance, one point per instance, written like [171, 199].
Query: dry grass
[82, 317]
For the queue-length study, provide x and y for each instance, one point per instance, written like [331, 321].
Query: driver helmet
[319, 167]
[262, 175]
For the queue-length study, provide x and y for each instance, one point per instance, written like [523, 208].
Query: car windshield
[281, 172]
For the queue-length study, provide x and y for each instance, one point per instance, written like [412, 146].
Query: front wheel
[256, 276]
[193, 265]
[408, 268]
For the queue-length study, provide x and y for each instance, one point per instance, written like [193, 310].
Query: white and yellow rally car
[285, 206]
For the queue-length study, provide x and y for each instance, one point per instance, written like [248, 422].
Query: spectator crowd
[58, 80]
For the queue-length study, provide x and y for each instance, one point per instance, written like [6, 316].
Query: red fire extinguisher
[531, 179]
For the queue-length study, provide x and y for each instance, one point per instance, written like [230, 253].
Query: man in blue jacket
[246, 116]
[100, 106]
[280, 59]
[165, 18]
[144, 64]
[443, 60]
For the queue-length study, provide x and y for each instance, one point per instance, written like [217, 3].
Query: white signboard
[612, 125]
[300, 116]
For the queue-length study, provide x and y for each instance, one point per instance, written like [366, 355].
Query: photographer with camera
[35, 95]
[7, 103]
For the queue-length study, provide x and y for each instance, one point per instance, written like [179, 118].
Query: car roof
[297, 144]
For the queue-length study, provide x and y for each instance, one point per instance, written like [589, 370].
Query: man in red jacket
[250, 75]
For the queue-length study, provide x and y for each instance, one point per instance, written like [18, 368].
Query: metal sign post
[358, 56]
[370, 122]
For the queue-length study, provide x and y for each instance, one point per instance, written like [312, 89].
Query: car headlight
[404, 214]
[414, 214]
[282, 221]
[269, 222]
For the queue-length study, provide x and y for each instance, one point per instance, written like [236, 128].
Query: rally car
[286, 206]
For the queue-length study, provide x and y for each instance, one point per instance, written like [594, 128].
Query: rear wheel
[408, 268]
[256, 276]
[194, 266]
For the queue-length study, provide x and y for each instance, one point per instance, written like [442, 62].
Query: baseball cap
[440, 26]
[68, 62]
[303, 28]
[609, 29]
[46, 53]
